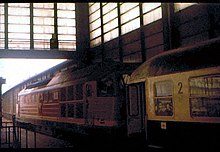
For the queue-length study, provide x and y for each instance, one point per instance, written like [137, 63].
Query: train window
[70, 111]
[56, 95]
[63, 110]
[163, 98]
[79, 92]
[45, 97]
[28, 98]
[79, 110]
[50, 96]
[205, 96]
[105, 87]
[41, 97]
[36, 97]
[70, 92]
[88, 90]
[63, 94]
[32, 98]
[163, 88]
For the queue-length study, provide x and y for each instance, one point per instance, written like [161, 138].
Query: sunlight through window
[17, 70]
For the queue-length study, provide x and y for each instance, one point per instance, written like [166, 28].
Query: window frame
[164, 104]
[206, 101]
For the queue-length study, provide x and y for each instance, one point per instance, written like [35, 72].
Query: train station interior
[86, 36]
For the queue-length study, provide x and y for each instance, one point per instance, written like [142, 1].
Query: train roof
[202, 55]
[80, 73]
[92, 72]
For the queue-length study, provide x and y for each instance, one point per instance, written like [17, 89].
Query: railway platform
[14, 136]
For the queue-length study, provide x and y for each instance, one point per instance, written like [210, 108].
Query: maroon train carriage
[86, 100]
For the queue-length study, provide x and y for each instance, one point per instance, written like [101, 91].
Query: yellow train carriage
[173, 99]
[192, 96]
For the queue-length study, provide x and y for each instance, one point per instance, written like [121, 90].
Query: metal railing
[14, 134]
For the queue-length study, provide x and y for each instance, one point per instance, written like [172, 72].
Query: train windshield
[106, 86]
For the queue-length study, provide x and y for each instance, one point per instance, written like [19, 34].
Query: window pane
[18, 26]
[95, 33]
[67, 44]
[163, 88]
[205, 86]
[130, 15]
[66, 6]
[63, 110]
[181, 6]
[63, 94]
[111, 15]
[108, 7]
[79, 110]
[43, 12]
[88, 90]
[130, 26]
[19, 35]
[164, 107]
[70, 93]
[163, 91]
[95, 24]
[111, 25]
[2, 26]
[105, 87]
[205, 96]
[17, 11]
[94, 7]
[111, 35]
[95, 42]
[70, 112]
[152, 16]
[66, 13]
[43, 21]
[66, 30]
[67, 38]
[66, 22]
[94, 16]
[79, 92]
[19, 20]
[45, 30]
[149, 6]
[126, 6]
[19, 5]
[66, 26]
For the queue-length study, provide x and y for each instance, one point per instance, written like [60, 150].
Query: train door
[136, 109]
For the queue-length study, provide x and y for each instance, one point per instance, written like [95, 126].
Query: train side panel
[184, 108]
[83, 102]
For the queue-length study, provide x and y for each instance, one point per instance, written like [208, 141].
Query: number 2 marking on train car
[180, 84]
